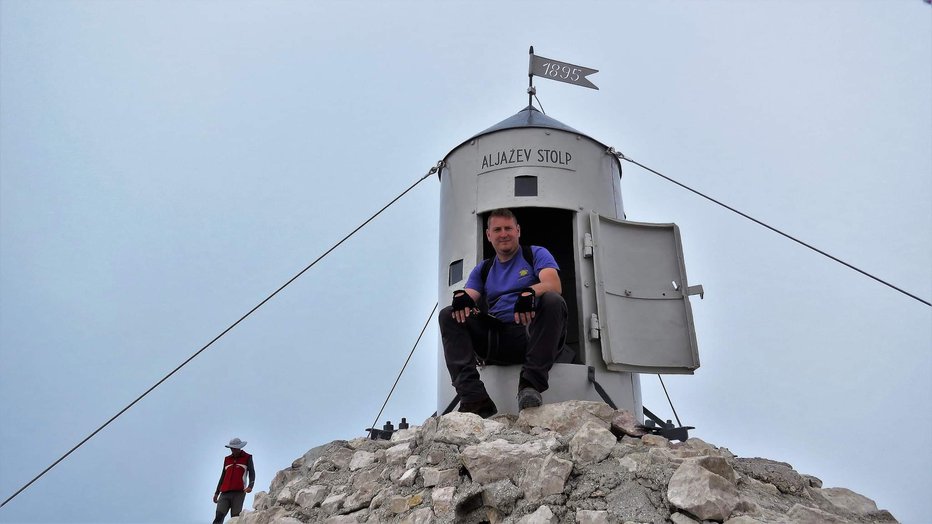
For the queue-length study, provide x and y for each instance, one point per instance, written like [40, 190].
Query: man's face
[236, 452]
[503, 233]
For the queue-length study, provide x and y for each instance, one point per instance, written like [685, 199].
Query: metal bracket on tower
[696, 290]
[436, 169]
[614, 153]
[667, 429]
[599, 389]
[386, 432]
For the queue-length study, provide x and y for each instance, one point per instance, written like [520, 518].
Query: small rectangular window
[456, 272]
[525, 185]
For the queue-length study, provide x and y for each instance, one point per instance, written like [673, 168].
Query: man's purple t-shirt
[506, 280]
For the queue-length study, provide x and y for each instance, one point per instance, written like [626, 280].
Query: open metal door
[644, 322]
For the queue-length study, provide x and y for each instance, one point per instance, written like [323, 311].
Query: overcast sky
[164, 166]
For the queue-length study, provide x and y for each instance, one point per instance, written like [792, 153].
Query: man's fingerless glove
[525, 302]
[462, 300]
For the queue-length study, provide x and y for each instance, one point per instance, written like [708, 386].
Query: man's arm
[219, 483]
[251, 470]
[549, 281]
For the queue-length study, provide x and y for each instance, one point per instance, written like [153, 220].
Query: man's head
[503, 232]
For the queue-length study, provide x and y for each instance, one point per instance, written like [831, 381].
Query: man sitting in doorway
[525, 324]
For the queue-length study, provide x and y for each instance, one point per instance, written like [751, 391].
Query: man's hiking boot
[529, 398]
[485, 408]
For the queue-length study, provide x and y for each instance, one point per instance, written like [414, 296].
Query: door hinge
[587, 246]
[594, 327]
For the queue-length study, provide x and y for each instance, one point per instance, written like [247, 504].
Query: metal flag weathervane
[559, 71]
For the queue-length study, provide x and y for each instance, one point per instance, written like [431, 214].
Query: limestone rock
[780, 474]
[398, 454]
[331, 504]
[760, 486]
[312, 496]
[556, 463]
[545, 476]
[746, 507]
[491, 461]
[416, 499]
[698, 444]
[361, 459]
[625, 423]
[846, 499]
[285, 496]
[260, 499]
[703, 487]
[814, 482]
[800, 514]
[307, 460]
[283, 477]
[674, 455]
[420, 516]
[398, 504]
[566, 417]
[258, 517]
[407, 479]
[442, 500]
[501, 496]
[362, 497]
[379, 499]
[336, 455]
[720, 467]
[339, 519]
[592, 443]
[465, 428]
[680, 518]
[628, 463]
[438, 453]
[285, 520]
[655, 440]
[439, 477]
[367, 476]
[406, 435]
[543, 515]
[742, 519]
[590, 516]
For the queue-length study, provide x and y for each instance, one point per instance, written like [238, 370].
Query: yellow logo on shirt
[523, 272]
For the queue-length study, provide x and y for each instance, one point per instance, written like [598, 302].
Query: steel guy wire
[416, 342]
[224, 332]
[619, 155]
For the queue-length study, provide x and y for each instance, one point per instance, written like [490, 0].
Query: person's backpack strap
[526, 252]
[486, 267]
[528, 255]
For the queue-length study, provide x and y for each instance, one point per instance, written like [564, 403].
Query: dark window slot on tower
[456, 271]
[525, 185]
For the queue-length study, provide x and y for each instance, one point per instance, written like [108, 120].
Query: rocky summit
[569, 462]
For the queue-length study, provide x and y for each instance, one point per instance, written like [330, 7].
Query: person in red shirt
[232, 487]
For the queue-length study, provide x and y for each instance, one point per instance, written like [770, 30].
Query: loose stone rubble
[570, 462]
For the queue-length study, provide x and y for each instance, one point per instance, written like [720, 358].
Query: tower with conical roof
[624, 282]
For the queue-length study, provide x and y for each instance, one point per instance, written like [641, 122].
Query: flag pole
[530, 76]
